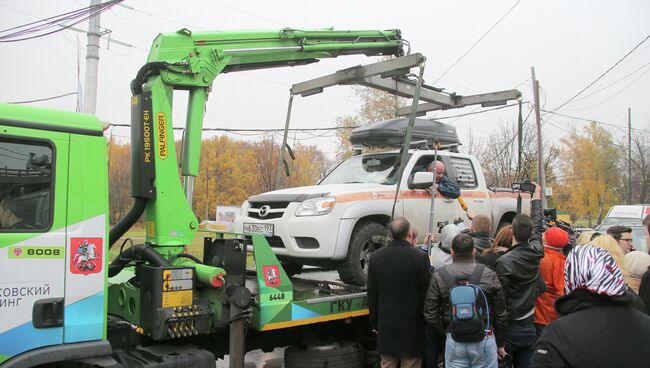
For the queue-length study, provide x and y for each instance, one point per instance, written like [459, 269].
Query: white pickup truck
[342, 220]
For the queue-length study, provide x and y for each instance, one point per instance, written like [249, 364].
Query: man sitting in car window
[445, 186]
[8, 217]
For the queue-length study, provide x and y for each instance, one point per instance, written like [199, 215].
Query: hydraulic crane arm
[195, 59]
[191, 61]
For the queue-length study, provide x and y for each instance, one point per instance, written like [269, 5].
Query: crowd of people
[535, 299]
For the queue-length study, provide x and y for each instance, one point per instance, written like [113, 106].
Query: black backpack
[469, 314]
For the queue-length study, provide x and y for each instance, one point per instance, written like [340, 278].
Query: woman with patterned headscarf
[598, 326]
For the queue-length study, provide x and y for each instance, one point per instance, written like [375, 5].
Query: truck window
[374, 168]
[463, 172]
[25, 185]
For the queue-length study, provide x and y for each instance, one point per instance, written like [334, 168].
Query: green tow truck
[63, 304]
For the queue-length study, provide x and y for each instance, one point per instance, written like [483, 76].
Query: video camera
[551, 220]
[525, 186]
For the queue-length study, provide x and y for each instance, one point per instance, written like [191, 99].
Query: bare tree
[498, 155]
[266, 160]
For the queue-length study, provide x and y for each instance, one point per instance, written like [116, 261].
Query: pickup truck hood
[299, 194]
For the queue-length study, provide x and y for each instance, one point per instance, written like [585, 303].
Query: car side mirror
[421, 180]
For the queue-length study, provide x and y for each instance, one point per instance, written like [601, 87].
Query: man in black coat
[598, 325]
[518, 270]
[398, 278]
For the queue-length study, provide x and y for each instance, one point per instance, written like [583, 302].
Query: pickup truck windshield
[378, 168]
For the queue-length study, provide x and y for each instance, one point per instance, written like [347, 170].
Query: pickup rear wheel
[367, 238]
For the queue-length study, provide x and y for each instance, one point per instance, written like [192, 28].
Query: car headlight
[243, 210]
[316, 206]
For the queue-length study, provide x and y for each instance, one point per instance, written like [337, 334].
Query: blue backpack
[469, 314]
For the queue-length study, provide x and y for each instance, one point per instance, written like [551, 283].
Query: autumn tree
[265, 161]
[589, 173]
[227, 175]
[308, 166]
[119, 183]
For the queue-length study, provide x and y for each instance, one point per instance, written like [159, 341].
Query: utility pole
[629, 155]
[541, 175]
[92, 60]
[520, 128]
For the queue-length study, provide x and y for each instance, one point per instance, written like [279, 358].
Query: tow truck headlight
[316, 206]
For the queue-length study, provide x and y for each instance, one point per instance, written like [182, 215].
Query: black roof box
[391, 133]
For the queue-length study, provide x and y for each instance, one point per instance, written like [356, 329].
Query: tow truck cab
[53, 222]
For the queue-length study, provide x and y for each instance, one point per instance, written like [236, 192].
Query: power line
[251, 129]
[477, 112]
[42, 99]
[159, 17]
[611, 84]
[615, 94]
[9, 156]
[14, 152]
[69, 28]
[477, 42]
[590, 120]
[41, 28]
[248, 13]
[602, 75]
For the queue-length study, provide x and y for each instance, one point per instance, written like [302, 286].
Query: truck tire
[366, 238]
[320, 356]
[291, 268]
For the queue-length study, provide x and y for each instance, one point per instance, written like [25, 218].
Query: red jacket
[551, 269]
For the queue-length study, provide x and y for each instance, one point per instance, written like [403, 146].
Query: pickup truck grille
[267, 211]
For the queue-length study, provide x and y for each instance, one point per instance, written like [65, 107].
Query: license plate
[264, 229]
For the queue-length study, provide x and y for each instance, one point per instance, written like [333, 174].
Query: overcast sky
[570, 43]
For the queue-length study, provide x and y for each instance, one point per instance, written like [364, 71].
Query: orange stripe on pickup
[403, 194]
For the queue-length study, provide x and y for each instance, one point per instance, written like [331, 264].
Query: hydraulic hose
[147, 70]
[127, 221]
[141, 251]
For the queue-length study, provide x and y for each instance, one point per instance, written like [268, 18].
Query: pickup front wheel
[367, 237]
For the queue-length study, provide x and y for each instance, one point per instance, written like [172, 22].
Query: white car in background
[628, 215]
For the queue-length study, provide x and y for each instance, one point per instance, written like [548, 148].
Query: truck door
[462, 171]
[85, 314]
[33, 200]
[417, 203]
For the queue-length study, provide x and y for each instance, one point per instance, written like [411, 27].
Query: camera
[525, 186]
[551, 220]
[550, 214]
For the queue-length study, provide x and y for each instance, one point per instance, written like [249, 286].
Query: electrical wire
[14, 152]
[602, 75]
[42, 99]
[611, 84]
[477, 42]
[477, 112]
[9, 156]
[615, 94]
[591, 120]
[247, 13]
[41, 28]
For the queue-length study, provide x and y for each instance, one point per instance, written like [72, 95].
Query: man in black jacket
[398, 277]
[437, 306]
[598, 326]
[518, 270]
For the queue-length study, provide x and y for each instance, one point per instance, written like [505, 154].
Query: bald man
[445, 186]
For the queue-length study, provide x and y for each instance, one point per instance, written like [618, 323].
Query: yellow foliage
[589, 172]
